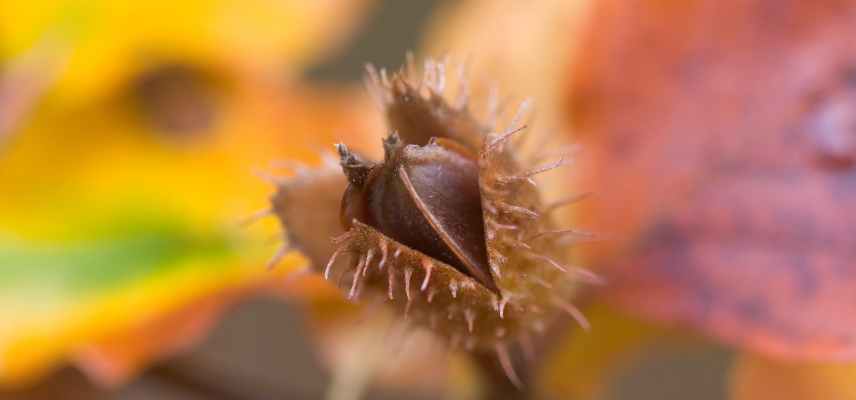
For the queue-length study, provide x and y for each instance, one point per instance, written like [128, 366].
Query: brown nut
[427, 198]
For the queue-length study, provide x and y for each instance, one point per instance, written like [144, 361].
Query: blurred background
[131, 140]
[135, 139]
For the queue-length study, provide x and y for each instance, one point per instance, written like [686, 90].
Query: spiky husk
[529, 261]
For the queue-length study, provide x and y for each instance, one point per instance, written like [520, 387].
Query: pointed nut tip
[391, 145]
[343, 150]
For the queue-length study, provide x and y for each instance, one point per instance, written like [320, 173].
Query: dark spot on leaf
[176, 99]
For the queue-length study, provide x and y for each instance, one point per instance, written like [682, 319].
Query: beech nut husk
[450, 228]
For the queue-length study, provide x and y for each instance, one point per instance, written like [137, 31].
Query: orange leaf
[115, 359]
[758, 379]
[721, 145]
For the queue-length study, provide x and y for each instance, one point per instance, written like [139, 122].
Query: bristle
[408, 273]
[507, 367]
[331, 261]
[573, 240]
[566, 202]
[369, 257]
[582, 273]
[573, 311]
[410, 65]
[390, 283]
[372, 74]
[374, 86]
[561, 233]
[514, 209]
[521, 113]
[280, 254]
[496, 269]
[489, 234]
[496, 144]
[549, 260]
[255, 217]
[562, 161]
[440, 85]
[470, 316]
[507, 227]
[588, 276]
[428, 73]
[513, 179]
[357, 271]
[516, 243]
[384, 78]
[490, 208]
[428, 265]
[383, 253]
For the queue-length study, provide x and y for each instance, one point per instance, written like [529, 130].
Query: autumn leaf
[717, 143]
[594, 359]
[698, 122]
[755, 378]
[57, 299]
[103, 214]
[113, 42]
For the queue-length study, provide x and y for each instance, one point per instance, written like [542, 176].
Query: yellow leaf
[108, 227]
[581, 363]
[113, 41]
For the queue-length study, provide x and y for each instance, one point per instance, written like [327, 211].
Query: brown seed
[425, 197]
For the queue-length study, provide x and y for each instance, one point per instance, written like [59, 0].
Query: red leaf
[722, 144]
